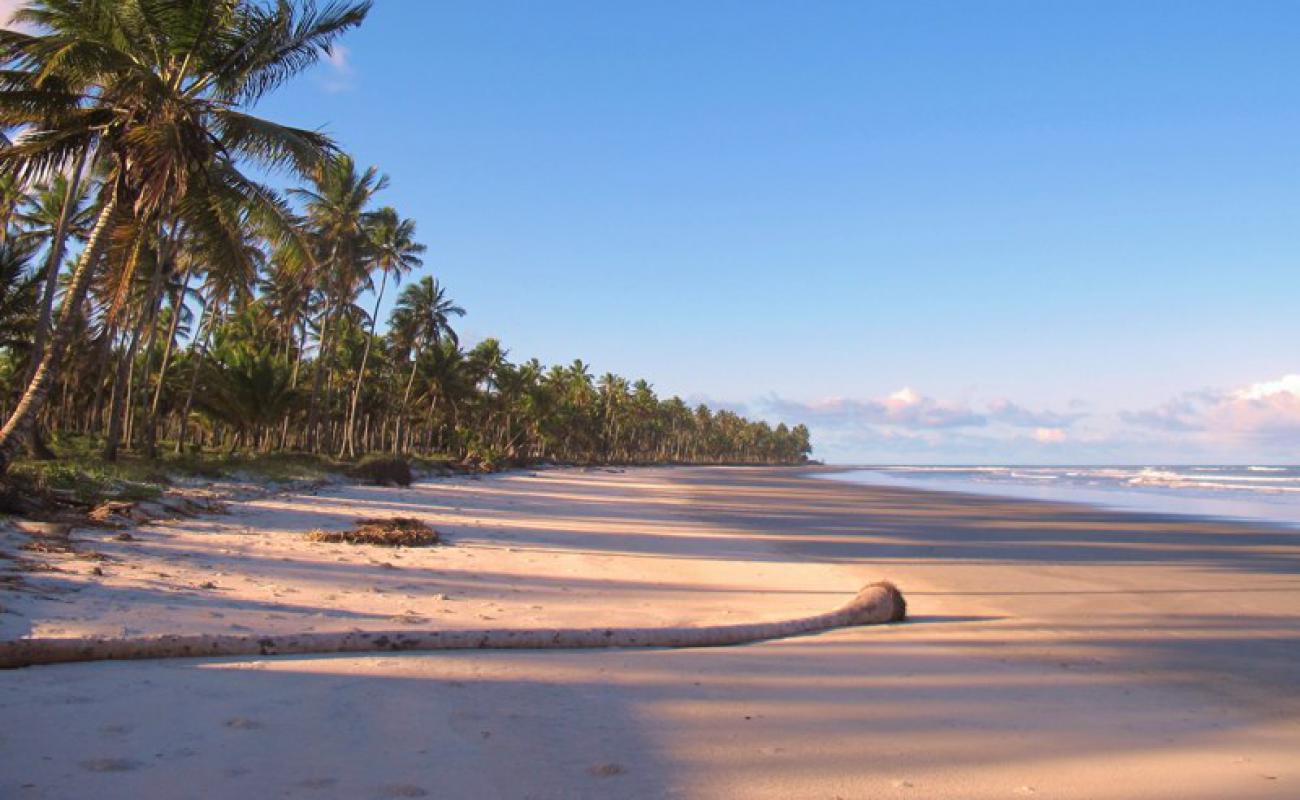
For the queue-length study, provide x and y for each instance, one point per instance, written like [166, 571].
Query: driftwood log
[876, 603]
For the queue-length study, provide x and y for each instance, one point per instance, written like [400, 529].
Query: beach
[1052, 650]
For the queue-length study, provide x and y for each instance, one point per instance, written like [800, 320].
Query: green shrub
[87, 481]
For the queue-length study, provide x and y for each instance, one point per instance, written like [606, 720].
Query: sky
[935, 232]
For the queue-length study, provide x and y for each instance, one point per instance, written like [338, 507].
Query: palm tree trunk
[102, 358]
[200, 350]
[36, 446]
[58, 243]
[121, 377]
[120, 409]
[20, 422]
[350, 435]
[151, 421]
[293, 383]
[140, 388]
[318, 376]
[406, 399]
[433, 407]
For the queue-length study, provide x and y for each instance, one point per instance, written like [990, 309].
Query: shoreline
[1054, 650]
[1138, 501]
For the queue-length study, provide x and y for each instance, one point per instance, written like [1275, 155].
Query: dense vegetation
[156, 296]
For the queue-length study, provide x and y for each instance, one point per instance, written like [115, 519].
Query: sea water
[1259, 492]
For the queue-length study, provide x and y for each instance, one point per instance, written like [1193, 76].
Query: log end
[879, 602]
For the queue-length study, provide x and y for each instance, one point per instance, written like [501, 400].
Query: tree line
[156, 296]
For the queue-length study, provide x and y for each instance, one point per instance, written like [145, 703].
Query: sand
[1054, 651]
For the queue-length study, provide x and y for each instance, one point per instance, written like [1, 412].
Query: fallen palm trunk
[876, 603]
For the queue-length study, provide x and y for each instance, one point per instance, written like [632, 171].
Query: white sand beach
[1053, 650]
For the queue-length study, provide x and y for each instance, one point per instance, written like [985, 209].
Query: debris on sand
[116, 514]
[53, 538]
[383, 471]
[391, 532]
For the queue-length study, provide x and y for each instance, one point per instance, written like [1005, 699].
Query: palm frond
[274, 44]
[267, 143]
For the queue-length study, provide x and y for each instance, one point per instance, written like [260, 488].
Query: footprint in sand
[606, 770]
[318, 783]
[110, 765]
[404, 790]
[243, 724]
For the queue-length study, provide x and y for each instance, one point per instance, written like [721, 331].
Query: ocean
[1258, 493]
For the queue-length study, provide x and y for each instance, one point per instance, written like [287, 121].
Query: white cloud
[1287, 385]
[904, 397]
[908, 409]
[1263, 410]
[1270, 408]
[1010, 413]
[342, 75]
[1258, 422]
[1049, 435]
[337, 56]
[904, 408]
[1178, 415]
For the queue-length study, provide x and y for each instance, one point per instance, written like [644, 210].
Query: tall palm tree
[393, 250]
[336, 213]
[56, 211]
[290, 301]
[228, 283]
[179, 290]
[165, 82]
[421, 318]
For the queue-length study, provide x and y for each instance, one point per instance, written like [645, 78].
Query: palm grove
[156, 296]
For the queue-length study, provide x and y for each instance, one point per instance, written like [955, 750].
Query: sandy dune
[1056, 651]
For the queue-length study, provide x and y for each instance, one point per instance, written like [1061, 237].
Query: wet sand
[1054, 650]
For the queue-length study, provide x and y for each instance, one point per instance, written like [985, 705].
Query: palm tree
[19, 288]
[228, 283]
[164, 84]
[421, 318]
[12, 196]
[336, 216]
[179, 290]
[393, 249]
[246, 385]
[52, 213]
[290, 300]
[56, 211]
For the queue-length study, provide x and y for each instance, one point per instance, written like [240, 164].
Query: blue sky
[1067, 230]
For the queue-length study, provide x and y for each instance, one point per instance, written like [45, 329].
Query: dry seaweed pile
[391, 532]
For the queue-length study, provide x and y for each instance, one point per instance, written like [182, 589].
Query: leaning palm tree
[55, 211]
[393, 250]
[153, 89]
[51, 214]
